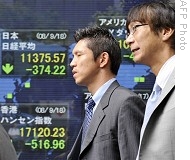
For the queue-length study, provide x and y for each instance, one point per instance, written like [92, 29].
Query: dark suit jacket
[7, 151]
[114, 131]
[158, 141]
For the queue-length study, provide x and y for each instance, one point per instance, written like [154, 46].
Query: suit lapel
[74, 153]
[166, 90]
[96, 119]
[98, 116]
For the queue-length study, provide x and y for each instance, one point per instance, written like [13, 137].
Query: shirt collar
[165, 72]
[100, 92]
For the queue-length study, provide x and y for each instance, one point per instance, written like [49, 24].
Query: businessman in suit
[114, 130]
[7, 151]
[151, 37]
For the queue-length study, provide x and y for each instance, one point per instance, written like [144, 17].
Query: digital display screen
[24, 53]
[41, 107]
[117, 26]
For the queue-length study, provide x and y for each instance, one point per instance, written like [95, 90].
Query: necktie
[150, 107]
[88, 116]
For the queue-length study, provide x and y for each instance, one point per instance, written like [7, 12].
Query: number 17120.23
[42, 132]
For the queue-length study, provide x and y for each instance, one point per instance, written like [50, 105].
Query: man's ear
[167, 33]
[104, 59]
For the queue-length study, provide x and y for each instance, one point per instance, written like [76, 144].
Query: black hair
[101, 40]
[158, 15]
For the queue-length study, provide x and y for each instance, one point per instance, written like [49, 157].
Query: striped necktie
[88, 116]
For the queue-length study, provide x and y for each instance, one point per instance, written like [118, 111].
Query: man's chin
[79, 83]
[136, 59]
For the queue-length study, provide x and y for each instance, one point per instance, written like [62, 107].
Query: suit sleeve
[130, 120]
[7, 151]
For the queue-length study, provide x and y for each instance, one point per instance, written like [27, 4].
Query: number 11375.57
[43, 57]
